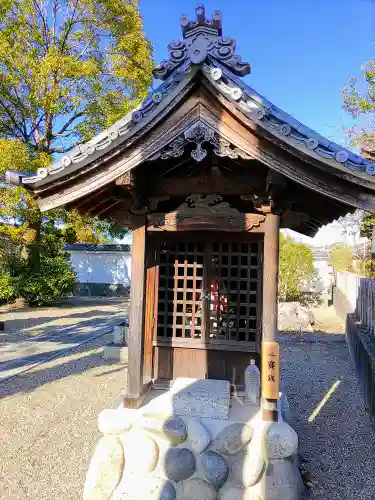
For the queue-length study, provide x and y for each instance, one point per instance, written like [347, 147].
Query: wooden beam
[126, 180]
[136, 390]
[151, 312]
[270, 372]
[207, 184]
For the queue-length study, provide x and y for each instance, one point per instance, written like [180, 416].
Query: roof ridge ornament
[202, 39]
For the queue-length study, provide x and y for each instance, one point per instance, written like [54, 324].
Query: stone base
[116, 353]
[167, 456]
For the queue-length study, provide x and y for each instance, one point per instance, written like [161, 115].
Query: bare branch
[44, 22]
[70, 26]
[69, 122]
[64, 150]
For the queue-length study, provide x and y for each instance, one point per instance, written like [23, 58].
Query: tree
[359, 101]
[296, 270]
[341, 257]
[68, 68]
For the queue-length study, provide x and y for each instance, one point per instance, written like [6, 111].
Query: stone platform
[166, 450]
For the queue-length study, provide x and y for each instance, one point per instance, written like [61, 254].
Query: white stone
[145, 488]
[248, 466]
[293, 316]
[198, 436]
[279, 441]
[116, 353]
[141, 453]
[201, 398]
[120, 335]
[281, 481]
[115, 421]
[105, 469]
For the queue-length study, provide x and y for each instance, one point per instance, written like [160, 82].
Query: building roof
[206, 58]
[88, 247]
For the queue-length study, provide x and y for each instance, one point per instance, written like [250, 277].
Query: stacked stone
[155, 457]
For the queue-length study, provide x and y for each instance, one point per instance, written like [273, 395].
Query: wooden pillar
[136, 390]
[270, 347]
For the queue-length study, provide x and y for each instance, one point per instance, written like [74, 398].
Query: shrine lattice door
[209, 297]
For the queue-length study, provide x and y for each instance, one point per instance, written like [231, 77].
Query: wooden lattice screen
[209, 290]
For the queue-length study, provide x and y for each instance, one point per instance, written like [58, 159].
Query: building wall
[101, 273]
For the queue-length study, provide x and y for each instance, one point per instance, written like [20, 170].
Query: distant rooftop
[88, 247]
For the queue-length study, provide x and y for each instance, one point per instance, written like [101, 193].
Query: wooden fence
[359, 299]
[360, 296]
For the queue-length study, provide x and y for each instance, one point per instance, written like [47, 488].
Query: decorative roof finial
[202, 39]
[202, 25]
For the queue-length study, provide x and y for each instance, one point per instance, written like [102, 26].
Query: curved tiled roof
[205, 52]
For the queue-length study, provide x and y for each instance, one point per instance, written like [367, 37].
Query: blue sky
[302, 52]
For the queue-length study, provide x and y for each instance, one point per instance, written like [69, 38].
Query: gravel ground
[49, 430]
[339, 444]
[48, 422]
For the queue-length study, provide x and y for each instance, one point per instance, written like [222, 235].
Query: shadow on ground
[30, 380]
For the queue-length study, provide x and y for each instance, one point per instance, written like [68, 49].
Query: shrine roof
[204, 54]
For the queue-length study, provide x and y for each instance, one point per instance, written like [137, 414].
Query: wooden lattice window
[209, 290]
[180, 311]
[235, 287]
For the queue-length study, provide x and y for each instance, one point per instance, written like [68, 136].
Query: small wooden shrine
[205, 172]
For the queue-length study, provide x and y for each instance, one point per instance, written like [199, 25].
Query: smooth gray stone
[238, 493]
[281, 481]
[233, 438]
[172, 429]
[280, 441]
[175, 430]
[179, 464]
[196, 489]
[215, 468]
[285, 409]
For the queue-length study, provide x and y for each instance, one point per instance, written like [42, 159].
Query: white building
[102, 270]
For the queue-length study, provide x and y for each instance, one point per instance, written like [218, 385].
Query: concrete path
[17, 357]
[337, 439]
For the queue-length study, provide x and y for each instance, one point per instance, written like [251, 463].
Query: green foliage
[341, 257]
[83, 228]
[359, 101]
[8, 292]
[68, 68]
[51, 279]
[296, 270]
[367, 225]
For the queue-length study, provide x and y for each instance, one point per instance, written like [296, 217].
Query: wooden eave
[203, 105]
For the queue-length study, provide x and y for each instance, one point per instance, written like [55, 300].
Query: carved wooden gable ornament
[205, 213]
